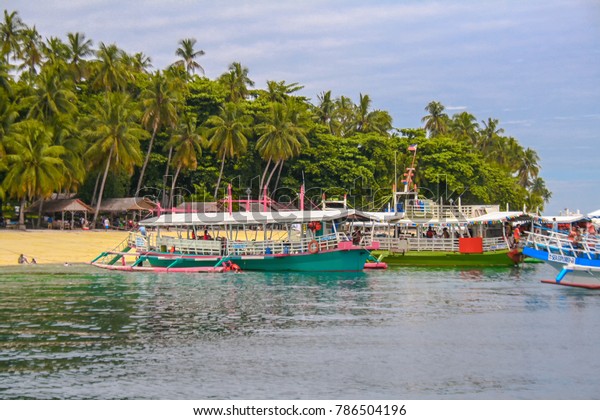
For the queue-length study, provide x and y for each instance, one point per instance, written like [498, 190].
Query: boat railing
[431, 209]
[153, 242]
[284, 246]
[559, 245]
[417, 243]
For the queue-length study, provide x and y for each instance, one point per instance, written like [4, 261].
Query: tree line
[100, 122]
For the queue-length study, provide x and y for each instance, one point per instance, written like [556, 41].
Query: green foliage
[61, 89]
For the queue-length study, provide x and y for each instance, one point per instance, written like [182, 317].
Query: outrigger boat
[461, 235]
[287, 240]
[578, 264]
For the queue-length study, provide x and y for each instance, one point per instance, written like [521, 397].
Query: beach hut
[198, 207]
[62, 206]
[138, 207]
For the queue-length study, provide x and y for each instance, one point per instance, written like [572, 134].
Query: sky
[534, 65]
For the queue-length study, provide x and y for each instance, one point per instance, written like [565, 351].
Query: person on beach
[22, 259]
[106, 224]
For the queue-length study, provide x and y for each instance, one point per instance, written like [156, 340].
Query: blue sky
[533, 65]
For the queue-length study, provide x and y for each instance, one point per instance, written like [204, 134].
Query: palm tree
[159, 101]
[52, 97]
[344, 116]
[236, 81]
[31, 51]
[79, 49]
[528, 167]
[186, 144]
[436, 123]
[114, 133]
[10, 34]
[464, 127]
[188, 56]
[110, 73]
[489, 134]
[367, 121]
[324, 111]
[35, 165]
[280, 91]
[281, 136]
[227, 134]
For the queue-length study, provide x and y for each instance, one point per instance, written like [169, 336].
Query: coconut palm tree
[188, 55]
[35, 167]
[113, 131]
[52, 97]
[324, 111]
[281, 136]
[489, 134]
[159, 101]
[31, 51]
[11, 30]
[367, 121]
[110, 73]
[280, 91]
[236, 81]
[464, 127]
[186, 144]
[436, 123]
[227, 134]
[528, 167]
[79, 49]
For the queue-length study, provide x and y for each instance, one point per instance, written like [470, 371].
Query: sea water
[82, 333]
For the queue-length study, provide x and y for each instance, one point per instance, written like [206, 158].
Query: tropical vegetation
[93, 120]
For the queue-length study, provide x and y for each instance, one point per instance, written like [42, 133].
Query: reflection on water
[76, 332]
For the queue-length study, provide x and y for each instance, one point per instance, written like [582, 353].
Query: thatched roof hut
[126, 204]
[199, 207]
[59, 206]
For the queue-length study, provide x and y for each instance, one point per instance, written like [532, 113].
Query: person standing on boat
[554, 225]
[517, 235]
[356, 236]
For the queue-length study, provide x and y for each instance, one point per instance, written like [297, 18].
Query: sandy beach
[56, 246]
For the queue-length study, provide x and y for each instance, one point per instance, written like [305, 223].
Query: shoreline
[56, 246]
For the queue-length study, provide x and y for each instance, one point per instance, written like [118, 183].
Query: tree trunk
[220, 175]
[171, 203]
[278, 175]
[271, 174]
[101, 192]
[22, 214]
[164, 195]
[143, 170]
[96, 188]
[39, 221]
[264, 175]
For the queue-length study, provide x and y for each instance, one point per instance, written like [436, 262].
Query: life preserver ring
[313, 247]
[314, 226]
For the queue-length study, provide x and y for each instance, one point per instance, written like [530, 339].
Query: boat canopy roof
[501, 216]
[252, 218]
[572, 218]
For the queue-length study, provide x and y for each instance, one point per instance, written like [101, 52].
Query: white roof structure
[594, 214]
[572, 218]
[251, 218]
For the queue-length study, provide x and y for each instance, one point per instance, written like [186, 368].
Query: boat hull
[572, 271]
[449, 259]
[333, 260]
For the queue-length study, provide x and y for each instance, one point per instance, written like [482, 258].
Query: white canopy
[572, 218]
[251, 218]
[594, 214]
